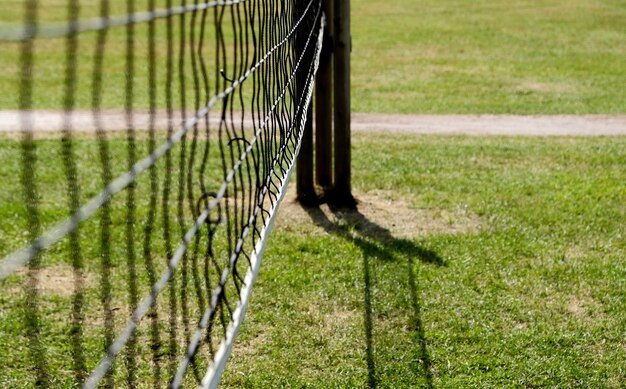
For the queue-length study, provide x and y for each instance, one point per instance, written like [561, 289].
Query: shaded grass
[532, 298]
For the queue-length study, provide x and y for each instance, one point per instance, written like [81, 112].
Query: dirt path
[558, 125]
[584, 125]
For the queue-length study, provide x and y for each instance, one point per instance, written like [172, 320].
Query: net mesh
[143, 159]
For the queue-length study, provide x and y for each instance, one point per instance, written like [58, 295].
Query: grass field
[58, 302]
[473, 261]
[455, 56]
[431, 56]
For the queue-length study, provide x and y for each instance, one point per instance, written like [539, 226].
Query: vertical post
[324, 104]
[304, 168]
[342, 195]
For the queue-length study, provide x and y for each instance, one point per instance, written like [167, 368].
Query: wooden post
[342, 193]
[304, 168]
[324, 104]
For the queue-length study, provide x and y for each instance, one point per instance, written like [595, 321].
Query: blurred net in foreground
[147, 287]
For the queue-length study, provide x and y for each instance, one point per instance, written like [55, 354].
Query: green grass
[57, 293]
[430, 56]
[50, 59]
[456, 56]
[531, 297]
[530, 293]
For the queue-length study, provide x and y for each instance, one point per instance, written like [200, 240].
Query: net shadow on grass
[378, 244]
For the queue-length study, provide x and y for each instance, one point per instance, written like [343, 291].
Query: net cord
[19, 258]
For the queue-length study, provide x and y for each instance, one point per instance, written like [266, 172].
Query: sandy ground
[555, 125]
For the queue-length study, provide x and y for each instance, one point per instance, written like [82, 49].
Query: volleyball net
[146, 148]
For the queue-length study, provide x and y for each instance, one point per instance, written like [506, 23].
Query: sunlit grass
[527, 57]
[455, 56]
[529, 294]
